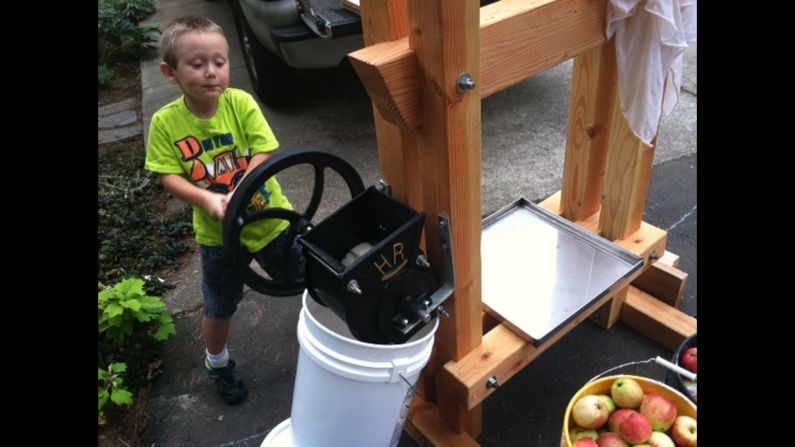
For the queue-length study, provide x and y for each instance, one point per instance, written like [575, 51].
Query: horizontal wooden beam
[518, 39]
[390, 73]
[651, 317]
[664, 282]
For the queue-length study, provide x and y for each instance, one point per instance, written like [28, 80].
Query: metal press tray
[541, 271]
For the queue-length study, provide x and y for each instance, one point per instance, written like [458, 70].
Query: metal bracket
[433, 304]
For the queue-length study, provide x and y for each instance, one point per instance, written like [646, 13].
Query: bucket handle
[658, 360]
[413, 389]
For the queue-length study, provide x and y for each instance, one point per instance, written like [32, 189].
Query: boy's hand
[227, 198]
[216, 206]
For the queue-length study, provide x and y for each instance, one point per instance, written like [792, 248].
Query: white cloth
[651, 36]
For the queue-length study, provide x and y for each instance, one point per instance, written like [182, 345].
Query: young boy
[202, 145]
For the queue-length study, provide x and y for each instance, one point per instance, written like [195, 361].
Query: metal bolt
[422, 261]
[492, 383]
[383, 187]
[353, 287]
[241, 221]
[427, 302]
[404, 322]
[465, 82]
[443, 311]
[654, 256]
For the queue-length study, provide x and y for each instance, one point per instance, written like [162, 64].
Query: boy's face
[202, 65]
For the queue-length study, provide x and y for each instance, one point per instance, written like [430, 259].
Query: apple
[577, 433]
[626, 393]
[660, 411]
[688, 360]
[611, 406]
[610, 439]
[635, 429]
[683, 432]
[617, 418]
[585, 442]
[590, 412]
[660, 439]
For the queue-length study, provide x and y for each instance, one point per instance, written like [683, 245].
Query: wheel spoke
[317, 192]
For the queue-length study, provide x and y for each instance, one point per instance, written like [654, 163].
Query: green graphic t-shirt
[213, 154]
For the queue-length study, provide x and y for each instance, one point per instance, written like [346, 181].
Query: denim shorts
[222, 285]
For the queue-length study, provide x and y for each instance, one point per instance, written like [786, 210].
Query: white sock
[218, 360]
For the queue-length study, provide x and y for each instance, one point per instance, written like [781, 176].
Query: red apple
[660, 439]
[626, 393]
[659, 411]
[635, 429]
[617, 418]
[688, 360]
[585, 442]
[683, 432]
[610, 439]
[590, 412]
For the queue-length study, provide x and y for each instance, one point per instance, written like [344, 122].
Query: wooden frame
[428, 134]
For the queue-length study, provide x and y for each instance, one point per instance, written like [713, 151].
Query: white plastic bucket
[347, 392]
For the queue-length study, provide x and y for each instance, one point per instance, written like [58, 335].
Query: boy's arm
[211, 202]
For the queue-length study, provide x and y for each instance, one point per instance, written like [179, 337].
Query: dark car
[280, 36]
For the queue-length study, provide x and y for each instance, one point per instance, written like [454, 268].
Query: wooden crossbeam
[518, 39]
[664, 282]
[651, 317]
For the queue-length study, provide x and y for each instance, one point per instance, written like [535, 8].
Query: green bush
[120, 39]
[131, 326]
[111, 386]
[125, 306]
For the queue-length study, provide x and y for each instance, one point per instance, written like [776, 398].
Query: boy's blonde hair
[180, 26]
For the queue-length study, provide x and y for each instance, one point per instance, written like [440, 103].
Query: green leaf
[164, 331]
[143, 316]
[103, 296]
[101, 375]
[113, 310]
[131, 287]
[121, 397]
[151, 302]
[118, 367]
[103, 397]
[132, 304]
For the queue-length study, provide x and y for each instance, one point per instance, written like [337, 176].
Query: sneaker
[230, 387]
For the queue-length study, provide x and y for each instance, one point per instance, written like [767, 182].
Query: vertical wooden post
[593, 95]
[382, 21]
[445, 36]
[626, 185]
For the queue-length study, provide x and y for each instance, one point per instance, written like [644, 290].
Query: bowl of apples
[625, 410]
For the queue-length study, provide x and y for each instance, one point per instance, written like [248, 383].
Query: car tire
[272, 79]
